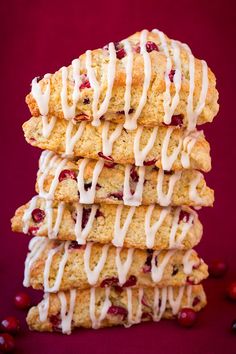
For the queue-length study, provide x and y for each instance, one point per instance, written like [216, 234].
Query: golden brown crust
[81, 313]
[111, 182]
[90, 143]
[153, 111]
[75, 274]
[102, 229]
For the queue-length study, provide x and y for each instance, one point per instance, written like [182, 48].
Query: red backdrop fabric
[41, 36]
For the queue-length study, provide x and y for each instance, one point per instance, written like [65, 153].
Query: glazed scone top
[146, 79]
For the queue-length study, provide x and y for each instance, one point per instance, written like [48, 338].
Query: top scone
[146, 79]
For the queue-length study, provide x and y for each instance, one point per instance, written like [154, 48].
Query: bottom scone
[97, 307]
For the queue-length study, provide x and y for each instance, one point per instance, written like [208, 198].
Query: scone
[165, 147]
[139, 227]
[54, 265]
[90, 181]
[97, 307]
[146, 79]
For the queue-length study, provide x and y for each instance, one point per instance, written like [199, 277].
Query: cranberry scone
[97, 307]
[166, 147]
[146, 79]
[54, 265]
[89, 181]
[151, 227]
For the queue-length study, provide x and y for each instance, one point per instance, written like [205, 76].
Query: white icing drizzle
[158, 270]
[120, 232]
[66, 315]
[42, 98]
[93, 275]
[48, 126]
[60, 271]
[53, 230]
[165, 199]
[96, 322]
[192, 113]
[80, 233]
[188, 263]
[107, 143]
[131, 122]
[175, 303]
[111, 70]
[157, 309]
[123, 268]
[69, 111]
[47, 161]
[87, 197]
[168, 161]
[188, 144]
[177, 242]
[140, 156]
[36, 247]
[150, 231]
[27, 214]
[43, 308]
[134, 199]
[170, 104]
[193, 193]
[138, 315]
[72, 140]
[128, 60]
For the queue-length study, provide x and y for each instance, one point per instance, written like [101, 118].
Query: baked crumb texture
[120, 180]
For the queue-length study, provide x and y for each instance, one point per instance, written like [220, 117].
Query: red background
[41, 36]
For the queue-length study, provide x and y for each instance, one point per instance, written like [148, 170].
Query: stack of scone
[112, 222]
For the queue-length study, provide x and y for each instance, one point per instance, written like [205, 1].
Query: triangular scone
[54, 265]
[96, 307]
[168, 148]
[90, 181]
[146, 79]
[141, 227]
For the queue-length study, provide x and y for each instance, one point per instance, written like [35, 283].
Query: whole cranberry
[187, 317]
[38, 215]
[231, 291]
[10, 324]
[217, 268]
[7, 343]
[22, 301]
[233, 326]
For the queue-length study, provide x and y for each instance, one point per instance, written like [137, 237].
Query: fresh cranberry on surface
[231, 290]
[10, 324]
[187, 317]
[217, 268]
[7, 343]
[38, 215]
[65, 174]
[22, 301]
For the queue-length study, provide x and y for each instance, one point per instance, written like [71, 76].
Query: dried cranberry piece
[175, 270]
[65, 174]
[81, 117]
[150, 46]
[33, 231]
[87, 186]
[75, 246]
[109, 164]
[85, 83]
[184, 215]
[171, 75]
[148, 264]
[98, 213]
[131, 110]
[176, 120]
[144, 303]
[86, 101]
[39, 78]
[38, 215]
[117, 195]
[134, 174]
[196, 301]
[121, 53]
[130, 282]
[56, 322]
[85, 217]
[189, 281]
[150, 162]
[117, 310]
[107, 158]
[113, 281]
